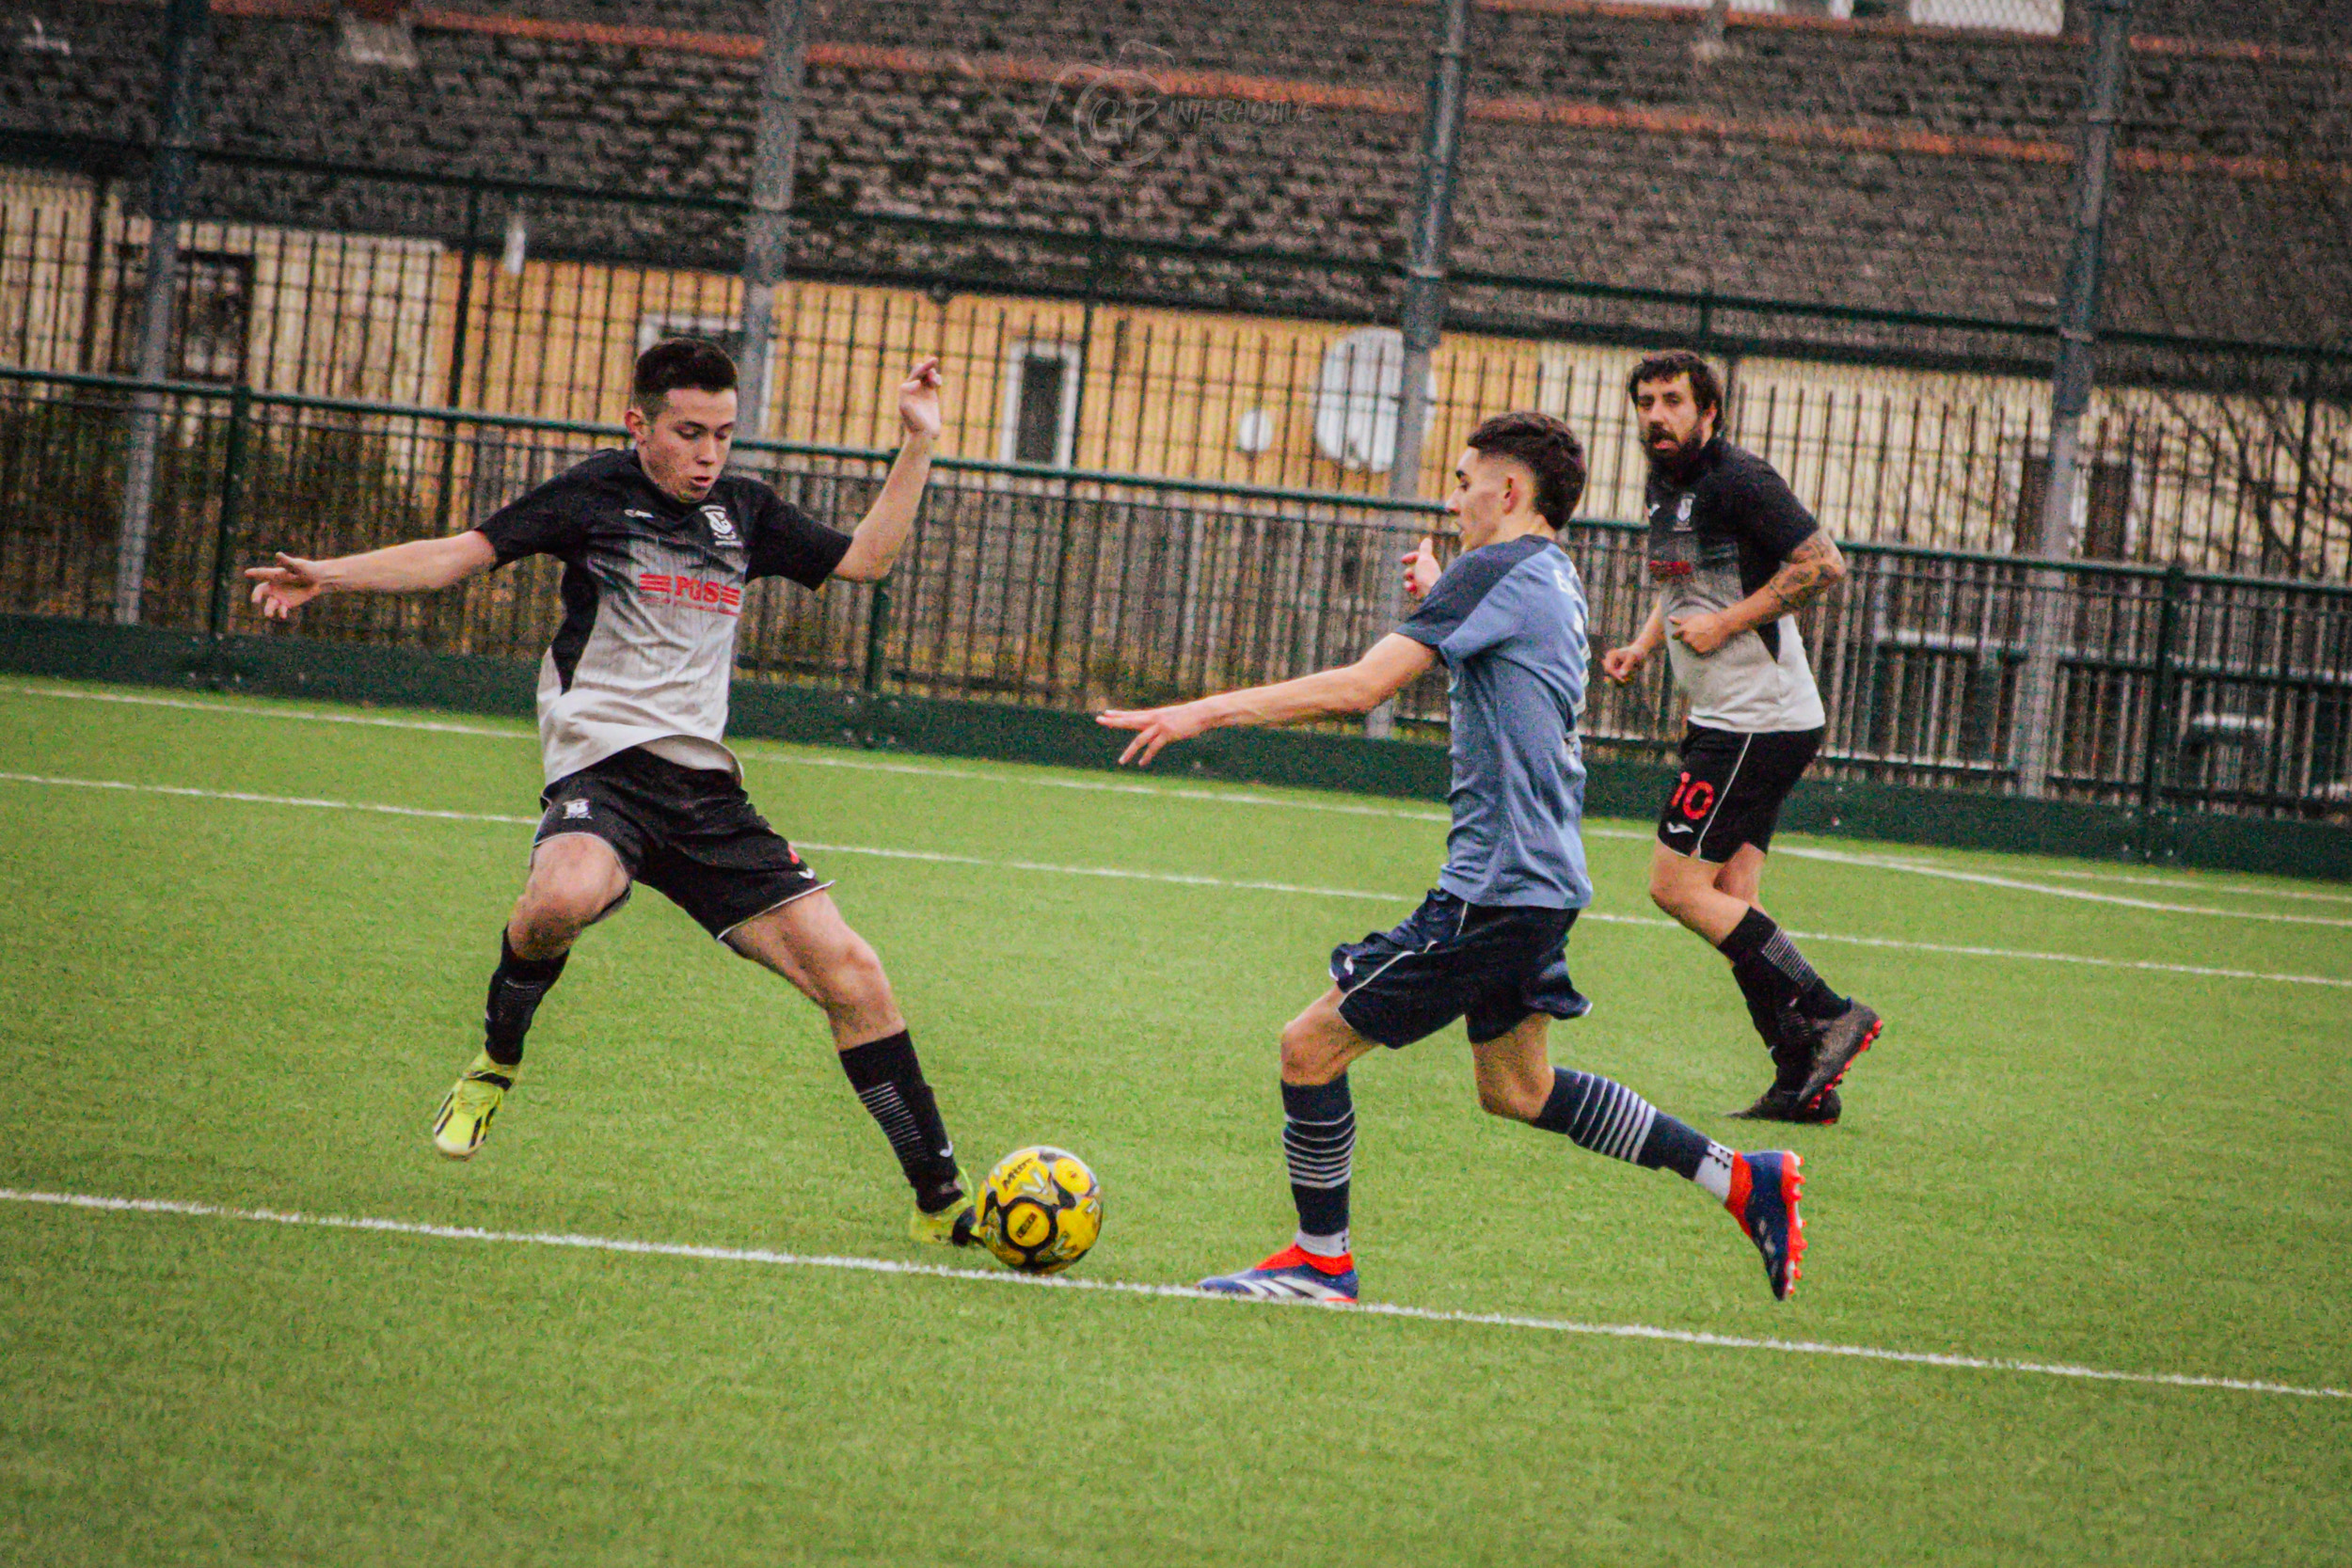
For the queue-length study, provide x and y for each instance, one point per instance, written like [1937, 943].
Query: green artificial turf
[257, 1005]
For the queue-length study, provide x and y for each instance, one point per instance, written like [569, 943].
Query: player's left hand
[1422, 570]
[918, 400]
[1702, 633]
[286, 587]
[1155, 727]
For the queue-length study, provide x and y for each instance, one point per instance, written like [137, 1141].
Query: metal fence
[1191, 363]
[1072, 589]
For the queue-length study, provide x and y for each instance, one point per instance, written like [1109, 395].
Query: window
[721, 330]
[1556, 381]
[1041, 421]
[2102, 507]
[210, 318]
[725, 332]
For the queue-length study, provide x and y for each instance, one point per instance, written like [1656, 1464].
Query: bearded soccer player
[1489, 942]
[1735, 555]
[658, 544]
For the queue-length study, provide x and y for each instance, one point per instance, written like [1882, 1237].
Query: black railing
[1042, 586]
[1180, 360]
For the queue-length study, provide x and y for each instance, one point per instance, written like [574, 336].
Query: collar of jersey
[673, 509]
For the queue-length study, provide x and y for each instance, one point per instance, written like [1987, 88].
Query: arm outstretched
[1394, 662]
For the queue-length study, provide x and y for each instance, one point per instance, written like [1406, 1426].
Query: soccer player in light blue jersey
[1488, 944]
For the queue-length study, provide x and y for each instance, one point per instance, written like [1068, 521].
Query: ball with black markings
[1040, 1210]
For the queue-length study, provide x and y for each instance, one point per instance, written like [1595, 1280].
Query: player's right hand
[1422, 569]
[282, 589]
[1622, 664]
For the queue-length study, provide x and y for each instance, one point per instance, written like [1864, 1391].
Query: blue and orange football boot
[1292, 1273]
[1764, 1192]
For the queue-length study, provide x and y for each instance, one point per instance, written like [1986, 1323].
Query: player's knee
[552, 916]
[1307, 1055]
[1513, 1100]
[848, 975]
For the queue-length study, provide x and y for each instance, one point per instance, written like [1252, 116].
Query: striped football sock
[889, 1082]
[1610, 1118]
[1319, 1145]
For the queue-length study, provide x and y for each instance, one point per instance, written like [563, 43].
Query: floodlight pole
[767, 234]
[1425, 272]
[185, 28]
[2069, 390]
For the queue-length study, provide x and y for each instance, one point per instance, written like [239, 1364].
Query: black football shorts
[1730, 789]
[690, 834]
[1493, 966]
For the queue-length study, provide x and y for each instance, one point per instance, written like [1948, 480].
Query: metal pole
[1426, 273]
[232, 492]
[767, 233]
[455, 396]
[876, 637]
[1711, 45]
[185, 24]
[2153, 767]
[1077, 401]
[2070, 389]
[2303, 455]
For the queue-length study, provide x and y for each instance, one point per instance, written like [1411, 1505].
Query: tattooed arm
[1811, 570]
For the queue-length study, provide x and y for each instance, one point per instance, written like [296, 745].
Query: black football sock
[1609, 1119]
[890, 1080]
[1319, 1145]
[1757, 943]
[515, 990]
[1759, 988]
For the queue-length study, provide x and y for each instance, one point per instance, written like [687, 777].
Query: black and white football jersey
[653, 593]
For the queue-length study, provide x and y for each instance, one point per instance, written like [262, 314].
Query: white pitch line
[2175, 884]
[315, 803]
[264, 711]
[1180, 879]
[1028, 779]
[1038, 779]
[1984, 878]
[182, 1208]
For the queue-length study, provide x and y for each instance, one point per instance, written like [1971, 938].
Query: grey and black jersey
[653, 592]
[1717, 533]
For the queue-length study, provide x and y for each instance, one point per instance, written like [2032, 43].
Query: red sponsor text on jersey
[726, 599]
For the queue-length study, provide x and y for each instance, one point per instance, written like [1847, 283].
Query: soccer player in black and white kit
[658, 545]
[1734, 555]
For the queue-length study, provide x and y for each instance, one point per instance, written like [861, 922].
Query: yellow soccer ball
[1040, 1210]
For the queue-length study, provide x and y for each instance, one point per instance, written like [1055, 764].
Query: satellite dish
[1358, 397]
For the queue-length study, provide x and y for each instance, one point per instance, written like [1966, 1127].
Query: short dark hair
[1706, 390]
[1550, 450]
[677, 362]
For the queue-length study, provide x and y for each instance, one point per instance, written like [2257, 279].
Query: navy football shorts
[1492, 965]
[1730, 789]
[690, 834]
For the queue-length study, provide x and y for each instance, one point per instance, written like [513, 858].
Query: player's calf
[517, 986]
[1759, 1190]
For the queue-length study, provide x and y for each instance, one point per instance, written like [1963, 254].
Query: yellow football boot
[470, 1105]
[958, 1225]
